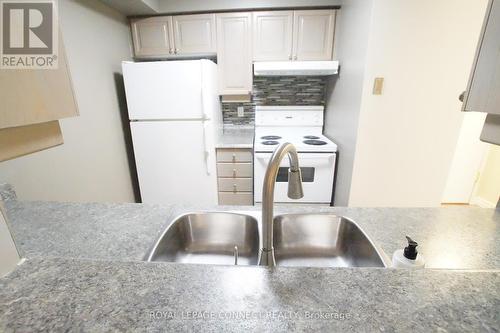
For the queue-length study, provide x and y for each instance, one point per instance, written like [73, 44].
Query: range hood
[281, 68]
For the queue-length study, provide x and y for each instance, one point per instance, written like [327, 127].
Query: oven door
[317, 177]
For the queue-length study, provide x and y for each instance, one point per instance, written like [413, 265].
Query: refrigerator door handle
[203, 101]
[206, 138]
[206, 149]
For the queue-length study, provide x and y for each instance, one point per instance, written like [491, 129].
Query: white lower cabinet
[235, 184]
[237, 199]
[235, 170]
[235, 176]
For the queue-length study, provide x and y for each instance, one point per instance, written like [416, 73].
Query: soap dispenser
[409, 257]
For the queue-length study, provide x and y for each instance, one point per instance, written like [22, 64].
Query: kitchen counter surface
[451, 237]
[97, 296]
[236, 137]
[84, 273]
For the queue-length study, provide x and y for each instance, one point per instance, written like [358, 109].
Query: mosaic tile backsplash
[277, 90]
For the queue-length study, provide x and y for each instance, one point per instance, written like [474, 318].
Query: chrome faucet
[294, 192]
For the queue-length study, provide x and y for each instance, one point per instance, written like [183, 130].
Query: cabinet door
[272, 35]
[152, 36]
[484, 83]
[313, 32]
[194, 33]
[234, 53]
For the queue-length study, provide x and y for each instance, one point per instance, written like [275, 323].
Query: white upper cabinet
[234, 53]
[152, 36]
[166, 36]
[194, 34]
[313, 32]
[293, 35]
[272, 35]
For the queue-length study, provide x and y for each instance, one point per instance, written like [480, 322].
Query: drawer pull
[234, 188]
[234, 158]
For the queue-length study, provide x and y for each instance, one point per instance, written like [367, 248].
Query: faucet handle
[295, 190]
[236, 255]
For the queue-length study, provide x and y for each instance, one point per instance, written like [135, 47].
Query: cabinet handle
[170, 51]
[294, 57]
[176, 51]
[234, 188]
[461, 97]
[234, 158]
[289, 57]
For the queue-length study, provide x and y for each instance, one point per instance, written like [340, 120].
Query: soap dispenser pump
[409, 257]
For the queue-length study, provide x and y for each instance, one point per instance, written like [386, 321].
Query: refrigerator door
[175, 162]
[164, 89]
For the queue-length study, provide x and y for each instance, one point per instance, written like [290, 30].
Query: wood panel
[22, 140]
[37, 96]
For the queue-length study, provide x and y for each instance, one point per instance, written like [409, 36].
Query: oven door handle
[307, 156]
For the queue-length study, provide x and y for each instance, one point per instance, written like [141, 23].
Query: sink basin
[209, 238]
[323, 240]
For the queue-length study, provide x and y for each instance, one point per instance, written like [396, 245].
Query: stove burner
[311, 137]
[315, 142]
[270, 142]
[271, 137]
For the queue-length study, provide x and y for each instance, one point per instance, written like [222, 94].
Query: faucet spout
[294, 192]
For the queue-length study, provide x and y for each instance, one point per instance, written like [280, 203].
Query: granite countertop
[236, 137]
[449, 238]
[84, 273]
[96, 296]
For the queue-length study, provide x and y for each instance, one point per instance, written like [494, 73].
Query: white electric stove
[302, 126]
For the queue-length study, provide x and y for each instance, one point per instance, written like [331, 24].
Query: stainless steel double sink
[300, 240]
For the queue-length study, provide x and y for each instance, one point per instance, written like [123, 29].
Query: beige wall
[488, 187]
[92, 164]
[407, 135]
[466, 163]
[344, 91]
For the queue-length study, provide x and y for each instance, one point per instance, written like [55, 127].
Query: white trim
[278, 68]
[481, 202]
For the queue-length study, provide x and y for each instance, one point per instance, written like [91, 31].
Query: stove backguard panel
[277, 90]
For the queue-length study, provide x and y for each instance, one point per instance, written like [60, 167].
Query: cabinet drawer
[234, 155]
[235, 184]
[235, 170]
[241, 198]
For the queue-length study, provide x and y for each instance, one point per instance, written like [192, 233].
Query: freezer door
[163, 89]
[175, 163]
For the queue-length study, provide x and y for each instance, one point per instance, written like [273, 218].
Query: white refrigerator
[175, 117]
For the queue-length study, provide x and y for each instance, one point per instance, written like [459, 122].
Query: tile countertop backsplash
[277, 90]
